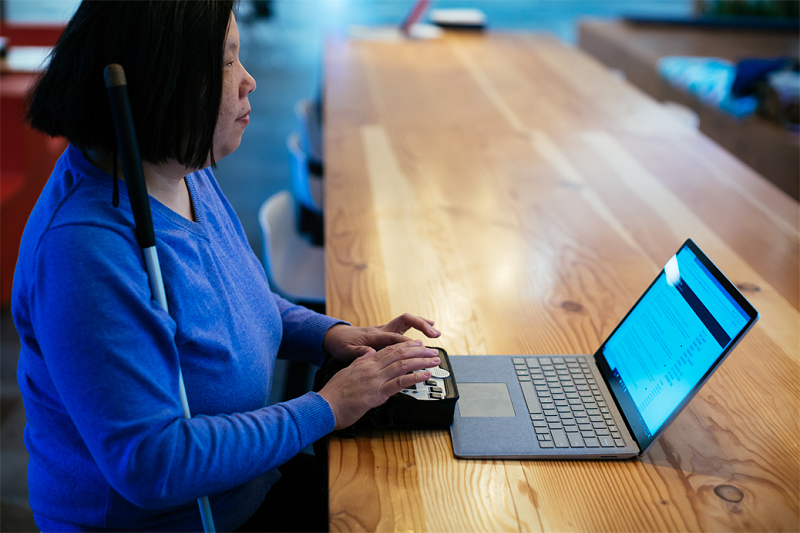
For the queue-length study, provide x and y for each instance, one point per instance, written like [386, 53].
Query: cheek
[230, 92]
[228, 108]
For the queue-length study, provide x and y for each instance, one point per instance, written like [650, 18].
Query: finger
[405, 365]
[404, 350]
[368, 353]
[425, 326]
[414, 321]
[390, 349]
[407, 321]
[387, 338]
[405, 381]
[403, 322]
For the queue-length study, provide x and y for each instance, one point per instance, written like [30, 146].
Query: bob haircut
[172, 53]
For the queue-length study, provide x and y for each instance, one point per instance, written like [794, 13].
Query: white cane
[140, 205]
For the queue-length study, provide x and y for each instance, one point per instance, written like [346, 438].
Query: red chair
[26, 157]
[27, 34]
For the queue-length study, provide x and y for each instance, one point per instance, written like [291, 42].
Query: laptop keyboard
[566, 406]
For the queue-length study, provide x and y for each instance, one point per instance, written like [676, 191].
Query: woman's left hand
[346, 343]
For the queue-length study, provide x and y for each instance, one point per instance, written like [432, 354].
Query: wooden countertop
[511, 189]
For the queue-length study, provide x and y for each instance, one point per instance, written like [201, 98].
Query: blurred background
[282, 43]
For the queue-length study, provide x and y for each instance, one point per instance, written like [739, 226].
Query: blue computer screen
[672, 337]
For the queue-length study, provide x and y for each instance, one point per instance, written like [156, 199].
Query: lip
[245, 119]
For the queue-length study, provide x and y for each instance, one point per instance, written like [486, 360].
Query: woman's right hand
[372, 378]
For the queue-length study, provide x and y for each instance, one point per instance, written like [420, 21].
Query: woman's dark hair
[172, 55]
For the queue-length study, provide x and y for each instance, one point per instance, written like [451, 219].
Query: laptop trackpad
[484, 400]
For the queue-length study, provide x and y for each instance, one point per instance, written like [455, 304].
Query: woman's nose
[248, 83]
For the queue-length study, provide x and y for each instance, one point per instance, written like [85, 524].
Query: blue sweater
[98, 370]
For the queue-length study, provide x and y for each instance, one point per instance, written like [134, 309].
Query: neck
[166, 182]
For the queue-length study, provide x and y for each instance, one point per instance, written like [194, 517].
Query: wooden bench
[636, 48]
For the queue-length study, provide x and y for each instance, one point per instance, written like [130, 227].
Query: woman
[109, 448]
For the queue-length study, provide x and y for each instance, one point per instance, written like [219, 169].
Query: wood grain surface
[511, 189]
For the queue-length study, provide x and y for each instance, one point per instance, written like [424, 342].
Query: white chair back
[295, 268]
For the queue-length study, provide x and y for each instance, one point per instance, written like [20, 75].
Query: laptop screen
[671, 341]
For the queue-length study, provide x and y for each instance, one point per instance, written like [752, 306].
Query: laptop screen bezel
[629, 412]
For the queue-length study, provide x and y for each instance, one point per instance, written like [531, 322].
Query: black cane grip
[117, 89]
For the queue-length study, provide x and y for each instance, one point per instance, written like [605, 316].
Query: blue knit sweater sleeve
[115, 373]
[298, 327]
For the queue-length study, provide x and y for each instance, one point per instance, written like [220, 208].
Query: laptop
[613, 404]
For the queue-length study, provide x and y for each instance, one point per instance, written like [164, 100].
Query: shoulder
[78, 194]
[74, 215]
[77, 265]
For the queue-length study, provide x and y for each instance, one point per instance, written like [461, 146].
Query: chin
[224, 152]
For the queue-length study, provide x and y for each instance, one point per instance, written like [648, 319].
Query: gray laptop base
[496, 423]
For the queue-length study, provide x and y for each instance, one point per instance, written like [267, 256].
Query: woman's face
[234, 108]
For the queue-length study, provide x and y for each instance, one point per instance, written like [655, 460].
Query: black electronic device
[428, 405]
